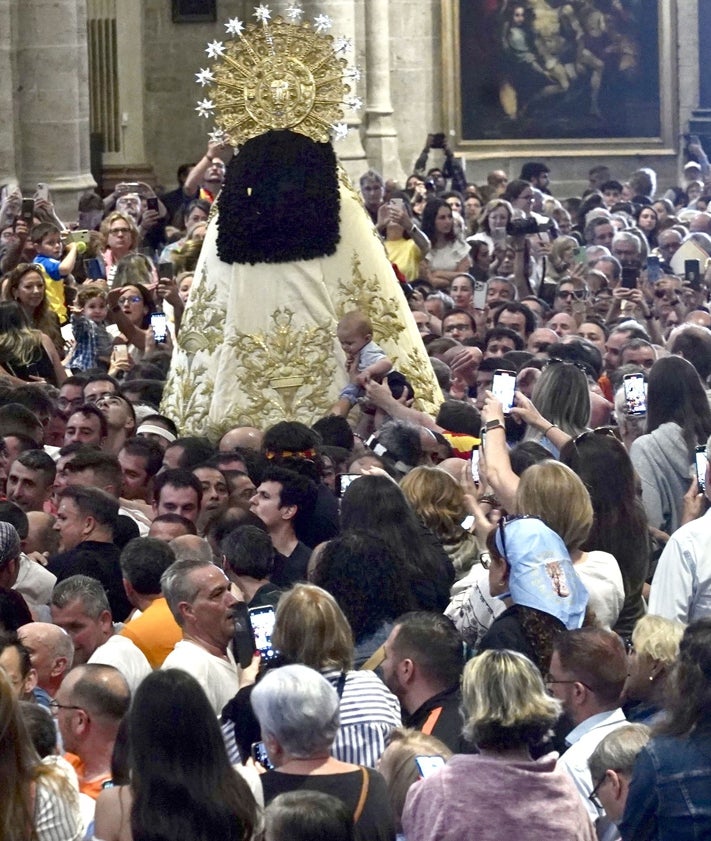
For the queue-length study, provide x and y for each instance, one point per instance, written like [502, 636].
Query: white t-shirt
[218, 677]
[123, 655]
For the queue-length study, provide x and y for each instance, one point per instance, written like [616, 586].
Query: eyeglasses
[593, 798]
[55, 705]
[565, 295]
[64, 403]
[664, 293]
[117, 231]
[95, 398]
[130, 299]
[549, 680]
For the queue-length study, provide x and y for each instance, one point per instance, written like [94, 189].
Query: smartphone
[260, 755]
[398, 203]
[166, 269]
[128, 187]
[77, 236]
[503, 387]
[475, 465]
[635, 390]
[28, 211]
[654, 268]
[692, 273]
[437, 141]
[94, 269]
[428, 765]
[343, 480]
[580, 254]
[42, 192]
[629, 277]
[121, 353]
[701, 464]
[159, 325]
[152, 203]
[262, 621]
[479, 294]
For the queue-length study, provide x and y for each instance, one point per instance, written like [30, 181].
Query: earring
[651, 678]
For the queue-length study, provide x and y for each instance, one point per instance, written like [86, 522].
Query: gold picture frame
[460, 22]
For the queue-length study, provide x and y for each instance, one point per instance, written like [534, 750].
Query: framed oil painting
[559, 73]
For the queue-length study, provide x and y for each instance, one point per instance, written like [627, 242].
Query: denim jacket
[670, 792]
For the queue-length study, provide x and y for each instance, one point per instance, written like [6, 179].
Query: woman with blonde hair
[311, 629]
[25, 284]
[37, 800]
[555, 494]
[508, 713]
[119, 236]
[399, 768]
[654, 651]
[27, 353]
[439, 501]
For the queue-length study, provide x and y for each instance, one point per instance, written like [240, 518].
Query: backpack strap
[375, 659]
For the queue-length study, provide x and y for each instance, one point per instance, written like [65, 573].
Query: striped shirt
[369, 712]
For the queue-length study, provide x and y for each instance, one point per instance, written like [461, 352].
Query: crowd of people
[509, 599]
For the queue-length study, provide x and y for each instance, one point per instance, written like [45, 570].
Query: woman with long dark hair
[670, 791]
[449, 254]
[619, 522]
[678, 420]
[376, 504]
[182, 787]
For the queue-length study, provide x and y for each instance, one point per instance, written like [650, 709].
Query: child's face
[352, 339]
[95, 309]
[51, 246]
[184, 288]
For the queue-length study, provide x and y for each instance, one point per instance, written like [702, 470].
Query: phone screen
[654, 269]
[343, 480]
[475, 465]
[152, 203]
[428, 765]
[94, 268]
[159, 326]
[479, 295]
[692, 273]
[260, 755]
[166, 269]
[503, 387]
[701, 463]
[635, 394]
[262, 621]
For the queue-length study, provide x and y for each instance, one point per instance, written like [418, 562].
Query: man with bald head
[90, 704]
[701, 223]
[51, 654]
[241, 436]
[191, 547]
[539, 340]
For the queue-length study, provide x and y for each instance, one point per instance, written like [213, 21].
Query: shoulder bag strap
[363, 795]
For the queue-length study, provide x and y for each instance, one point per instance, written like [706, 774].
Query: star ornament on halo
[234, 27]
[263, 14]
[342, 44]
[340, 131]
[294, 13]
[204, 107]
[205, 76]
[215, 49]
[217, 136]
[322, 23]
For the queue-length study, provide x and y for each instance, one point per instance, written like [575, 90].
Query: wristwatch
[494, 424]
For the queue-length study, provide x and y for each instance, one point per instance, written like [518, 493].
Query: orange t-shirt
[92, 788]
[155, 632]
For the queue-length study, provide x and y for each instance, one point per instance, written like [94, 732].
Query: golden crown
[278, 73]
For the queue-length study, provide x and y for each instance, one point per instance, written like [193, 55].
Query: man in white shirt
[81, 608]
[681, 587]
[199, 597]
[587, 672]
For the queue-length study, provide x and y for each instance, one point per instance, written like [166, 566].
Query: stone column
[52, 97]
[342, 13]
[381, 139]
[8, 88]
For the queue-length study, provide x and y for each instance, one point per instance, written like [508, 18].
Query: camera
[524, 227]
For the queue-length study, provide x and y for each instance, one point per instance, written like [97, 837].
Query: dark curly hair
[280, 201]
[362, 574]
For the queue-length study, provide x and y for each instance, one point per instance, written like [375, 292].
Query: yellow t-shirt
[155, 632]
[406, 256]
